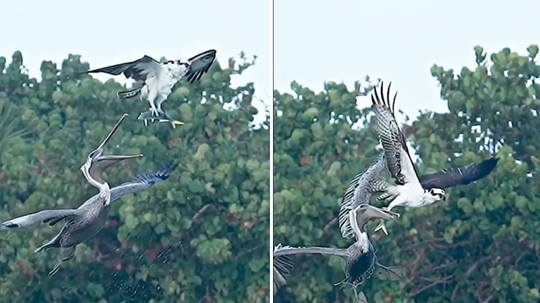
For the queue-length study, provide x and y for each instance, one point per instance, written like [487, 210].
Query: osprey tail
[387, 190]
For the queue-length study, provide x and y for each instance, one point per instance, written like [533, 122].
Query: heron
[360, 259]
[85, 222]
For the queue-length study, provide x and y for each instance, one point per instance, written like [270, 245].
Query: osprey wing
[200, 64]
[459, 175]
[398, 159]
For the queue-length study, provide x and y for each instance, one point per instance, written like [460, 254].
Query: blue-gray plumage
[86, 221]
[358, 195]
[360, 259]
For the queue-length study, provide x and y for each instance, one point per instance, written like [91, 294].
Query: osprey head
[437, 193]
[180, 67]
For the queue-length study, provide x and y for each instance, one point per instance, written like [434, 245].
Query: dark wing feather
[200, 64]
[392, 138]
[142, 182]
[137, 70]
[282, 266]
[459, 175]
[139, 183]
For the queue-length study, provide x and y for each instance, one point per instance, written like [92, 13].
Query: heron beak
[112, 132]
[372, 213]
[118, 158]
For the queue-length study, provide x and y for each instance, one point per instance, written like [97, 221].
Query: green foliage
[480, 245]
[201, 234]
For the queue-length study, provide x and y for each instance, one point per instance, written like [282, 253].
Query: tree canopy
[481, 245]
[200, 236]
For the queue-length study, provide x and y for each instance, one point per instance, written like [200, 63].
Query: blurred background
[200, 236]
[471, 67]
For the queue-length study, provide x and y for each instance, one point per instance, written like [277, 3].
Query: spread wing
[398, 159]
[459, 175]
[357, 193]
[138, 70]
[282, 266]
[52, 216]
[327, 251]
[199, 65]
[139, 183]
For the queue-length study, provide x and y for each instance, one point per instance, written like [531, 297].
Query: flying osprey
[159, 78]
[410, 189]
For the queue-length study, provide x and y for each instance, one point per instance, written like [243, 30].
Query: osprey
[159, 78]
[411, 190]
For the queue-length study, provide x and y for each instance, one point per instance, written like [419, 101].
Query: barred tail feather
[378, 185]
[387, 190]
[130, 93]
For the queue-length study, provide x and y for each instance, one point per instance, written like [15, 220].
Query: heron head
[437, 193]
[97, 154]
[92, 158]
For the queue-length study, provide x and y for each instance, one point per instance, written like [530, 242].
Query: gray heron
[360, 259]
[86, 221]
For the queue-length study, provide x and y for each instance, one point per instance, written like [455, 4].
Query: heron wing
[328, 251]
[282, 265]
[357, 193]
[51, 216]
[139, 183]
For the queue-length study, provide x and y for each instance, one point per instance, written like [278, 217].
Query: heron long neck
[360, 234]
[104, 189]
[105, 193]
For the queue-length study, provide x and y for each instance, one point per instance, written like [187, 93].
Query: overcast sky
[398, 41]
[111, 32]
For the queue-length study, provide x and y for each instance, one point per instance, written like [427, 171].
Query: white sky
[398, 41]
[111, 32]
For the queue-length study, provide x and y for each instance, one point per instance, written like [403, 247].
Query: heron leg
[66, 253]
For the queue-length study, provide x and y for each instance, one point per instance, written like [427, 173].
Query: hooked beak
[100, 147]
